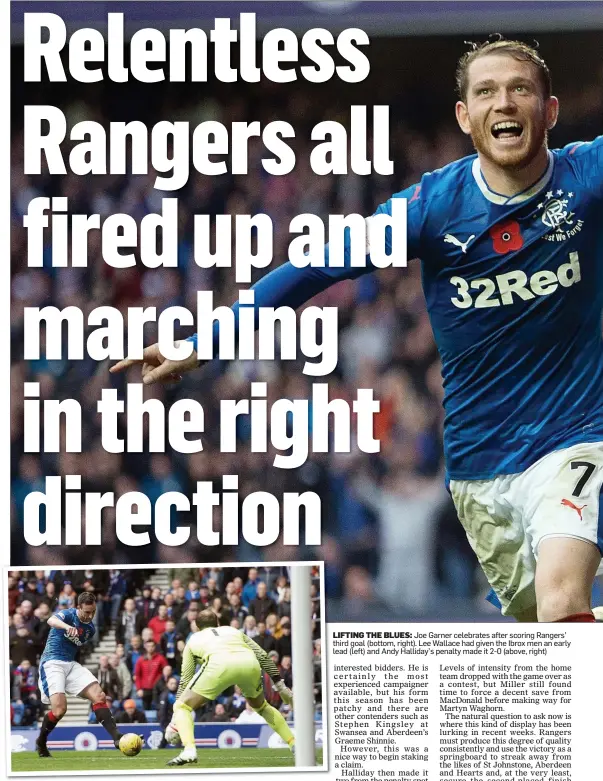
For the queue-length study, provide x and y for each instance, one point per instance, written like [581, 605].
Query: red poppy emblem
[506, 237]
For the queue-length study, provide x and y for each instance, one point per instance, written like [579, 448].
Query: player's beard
[533, 139]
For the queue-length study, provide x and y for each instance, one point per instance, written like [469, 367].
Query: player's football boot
[186, 757]
[42, 750]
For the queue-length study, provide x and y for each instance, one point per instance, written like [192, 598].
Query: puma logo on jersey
[450, 239]
[568, 503]
[514, 286]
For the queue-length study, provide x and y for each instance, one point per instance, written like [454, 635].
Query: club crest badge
[556, 213]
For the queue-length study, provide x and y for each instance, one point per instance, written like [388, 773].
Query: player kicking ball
[61, 675]
[227, 658]
[511, 247]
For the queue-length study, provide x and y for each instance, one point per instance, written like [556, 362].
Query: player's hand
[284, 692]
[157, 368]
[70, 631]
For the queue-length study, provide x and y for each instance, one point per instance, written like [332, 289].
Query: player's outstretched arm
[288, 286]
[56, 623]
[284, 286]
[270, 667]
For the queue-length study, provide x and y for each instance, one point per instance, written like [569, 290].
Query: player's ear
[462, 117]
[552, 112]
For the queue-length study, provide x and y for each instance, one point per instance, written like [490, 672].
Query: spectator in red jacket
[158, 622]
[147, 672]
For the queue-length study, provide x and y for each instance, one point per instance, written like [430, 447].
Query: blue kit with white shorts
[59, 672]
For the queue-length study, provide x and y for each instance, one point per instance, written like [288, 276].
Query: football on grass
[130, 744]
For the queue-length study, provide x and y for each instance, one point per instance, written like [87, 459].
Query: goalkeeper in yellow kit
[215, 658]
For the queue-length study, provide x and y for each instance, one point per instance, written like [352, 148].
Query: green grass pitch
[114, 761]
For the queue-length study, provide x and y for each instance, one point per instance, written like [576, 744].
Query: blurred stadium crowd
[144, 628]
[391, 540]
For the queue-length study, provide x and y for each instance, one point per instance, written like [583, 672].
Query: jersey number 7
[585, 476]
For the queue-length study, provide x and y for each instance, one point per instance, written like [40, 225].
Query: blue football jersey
[514, 291]
[60, 647]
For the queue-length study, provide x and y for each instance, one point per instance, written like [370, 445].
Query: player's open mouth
[507, 129]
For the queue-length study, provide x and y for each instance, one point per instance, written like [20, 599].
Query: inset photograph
[152, 669]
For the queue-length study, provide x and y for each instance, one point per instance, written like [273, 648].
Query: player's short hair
[499, 45]
[206, 618]
[86, 598]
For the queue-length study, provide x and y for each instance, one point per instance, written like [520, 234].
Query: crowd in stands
[391, 536]
[140, 675]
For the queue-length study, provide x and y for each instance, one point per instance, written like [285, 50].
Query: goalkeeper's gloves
[285, 692]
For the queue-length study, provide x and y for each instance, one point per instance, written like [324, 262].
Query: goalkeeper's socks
[578, 618]
[49, 722]
[105, 717]
[184, 721]
[275, 719]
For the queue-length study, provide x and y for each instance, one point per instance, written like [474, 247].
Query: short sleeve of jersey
[414, 219]
[67, 615]
[586, 159]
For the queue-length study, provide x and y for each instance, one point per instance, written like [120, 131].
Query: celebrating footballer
[511, 248]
